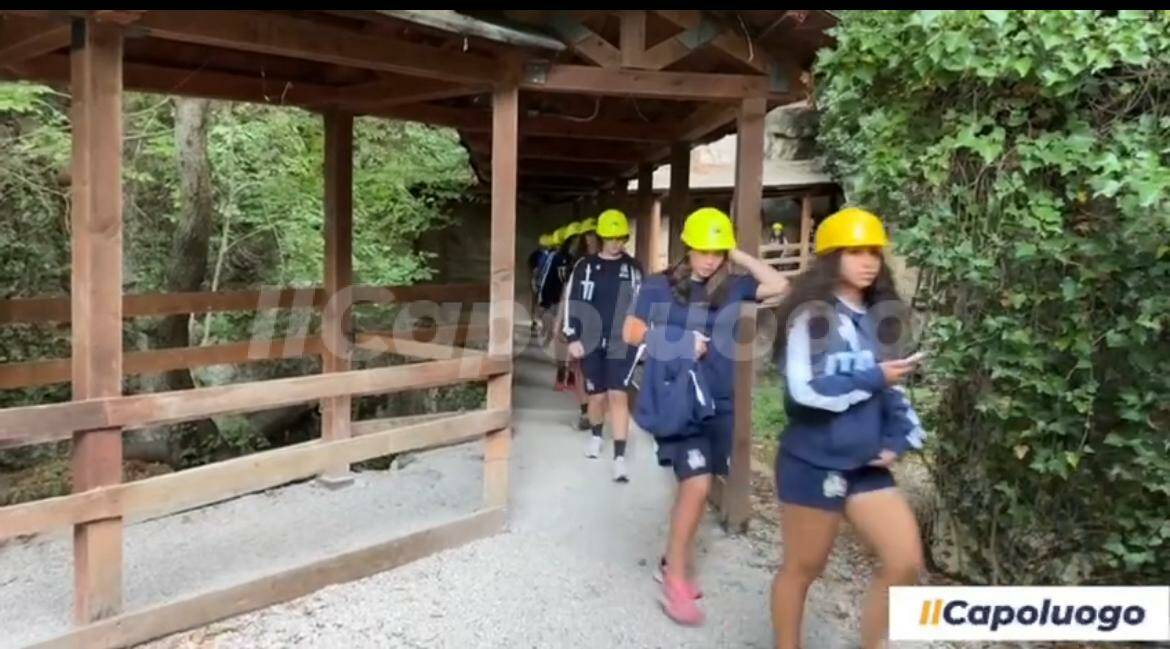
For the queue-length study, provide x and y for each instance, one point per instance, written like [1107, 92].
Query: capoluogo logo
[1030, 613]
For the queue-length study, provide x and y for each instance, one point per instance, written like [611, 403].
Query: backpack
[673, 397]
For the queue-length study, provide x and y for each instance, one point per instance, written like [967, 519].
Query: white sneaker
[593, 446]
[619, 469]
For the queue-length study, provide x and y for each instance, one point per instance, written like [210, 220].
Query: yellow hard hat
[589, 225]
[708, 228]
[545, 241]
[777, 227]
[852, 227]
[613, 224]
[572, 229]
[560, 234]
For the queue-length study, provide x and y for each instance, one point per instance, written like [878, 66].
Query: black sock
[584, 408]
[597, 429]
[619, 448]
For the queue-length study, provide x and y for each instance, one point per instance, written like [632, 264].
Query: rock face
[791, 133]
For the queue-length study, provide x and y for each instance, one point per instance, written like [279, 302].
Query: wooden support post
[505, 126]
[806, 231]
[749, 185]
[633, 37]
[335, 318]
[677, 202]
[96, 303]
[657, 250]
[644, 246]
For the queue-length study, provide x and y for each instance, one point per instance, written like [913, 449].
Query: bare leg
[886, 523]
[597, 409]
[689, 505]
[619, 414]
[808, 535]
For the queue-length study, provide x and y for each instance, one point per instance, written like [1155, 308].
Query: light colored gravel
[240, 539]
[573, 569]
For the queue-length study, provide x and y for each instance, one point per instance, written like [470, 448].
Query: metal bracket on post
[536, 71]
[778, 80]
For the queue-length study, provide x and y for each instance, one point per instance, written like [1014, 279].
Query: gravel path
[573, 569]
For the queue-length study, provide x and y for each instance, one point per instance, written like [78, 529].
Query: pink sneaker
[679, 604]
[692, 588]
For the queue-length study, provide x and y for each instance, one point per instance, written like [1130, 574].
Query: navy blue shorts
[606, 369]
[801, 483]
[707, 451]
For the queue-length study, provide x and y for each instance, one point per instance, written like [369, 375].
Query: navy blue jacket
[673, 398]
[841, 413]
[554, 270]
[656, 305]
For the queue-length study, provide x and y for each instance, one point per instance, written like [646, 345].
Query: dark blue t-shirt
[657, 306]
[600, 293]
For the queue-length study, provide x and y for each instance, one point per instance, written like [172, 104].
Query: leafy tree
[1024, 159]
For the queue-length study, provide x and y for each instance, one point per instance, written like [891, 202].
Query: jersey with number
[600, 293]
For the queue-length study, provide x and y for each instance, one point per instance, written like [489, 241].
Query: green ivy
[1023, 160]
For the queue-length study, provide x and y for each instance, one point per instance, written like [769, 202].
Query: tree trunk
[189, 254]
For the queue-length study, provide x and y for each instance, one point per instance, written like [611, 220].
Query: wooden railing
[446, 361]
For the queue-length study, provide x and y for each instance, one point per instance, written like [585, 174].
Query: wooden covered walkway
[549, 103]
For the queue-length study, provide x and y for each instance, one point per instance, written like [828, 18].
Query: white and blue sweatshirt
[841, 413]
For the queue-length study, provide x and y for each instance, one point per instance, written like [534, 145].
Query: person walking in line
[601, 288]
[848, 422]
[697, 299]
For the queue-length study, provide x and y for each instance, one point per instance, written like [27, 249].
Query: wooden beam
[735, 43]
[679, 197]
[336, 317]
[643, 83]
[585, 42]
[22, 39]
[571, 168]
[457, 23]
[664, 54]
[749, 186]
[391, 344]
[806, 231]
[211, 483]
[53, 309]
[96, 290]
[193, 611]
[269, 32]
[479, 121]
[44, 423]
[193, 83]
[536, 148]
[505, 134]
[397, 92]
[412, 343]
[644, 247]
[633, 37]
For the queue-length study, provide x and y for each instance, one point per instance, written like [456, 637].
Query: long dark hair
[818, 285]
[569, 246]
[679, 277]
[582, 247]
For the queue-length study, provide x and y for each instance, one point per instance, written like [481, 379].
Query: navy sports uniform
[841, 413]
[707, 447]
[600, 293]
[552, 275]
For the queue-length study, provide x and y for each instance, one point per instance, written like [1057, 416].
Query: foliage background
[1023, 158]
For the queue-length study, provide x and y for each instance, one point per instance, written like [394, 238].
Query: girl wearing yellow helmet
[700, 298]
[847, 422]
[601, 288]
